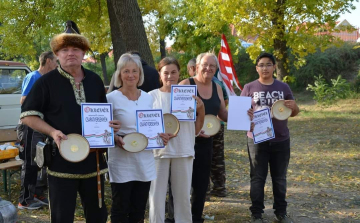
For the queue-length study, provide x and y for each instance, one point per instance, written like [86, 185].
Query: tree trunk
[103, 67]
[280, 43]
[162, 48]
[132, 28]
[116, 36]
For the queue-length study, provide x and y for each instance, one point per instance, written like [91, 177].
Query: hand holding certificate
[95, 124]
[151, 124]
[263, 129]
[183, 105]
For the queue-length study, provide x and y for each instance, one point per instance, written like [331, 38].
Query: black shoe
[256, 219]
[218, 193]
[283, 219]
[169, 220]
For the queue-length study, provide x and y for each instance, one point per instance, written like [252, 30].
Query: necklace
[136, 102]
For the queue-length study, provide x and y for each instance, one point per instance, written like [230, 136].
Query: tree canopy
[27, 26]
[282, 26]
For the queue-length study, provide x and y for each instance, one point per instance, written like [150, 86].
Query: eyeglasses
[261, 66]
[211, 66]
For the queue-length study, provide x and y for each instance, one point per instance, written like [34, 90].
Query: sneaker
[283, 219]
[32, 206]
[41, 199]
[256, 219]
[218, 193]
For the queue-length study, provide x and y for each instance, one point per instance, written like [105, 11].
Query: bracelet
[198, 134]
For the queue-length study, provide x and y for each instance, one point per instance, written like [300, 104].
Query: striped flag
[226, 68]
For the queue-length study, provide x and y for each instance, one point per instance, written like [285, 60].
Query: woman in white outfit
[177, 156]
[130, 173]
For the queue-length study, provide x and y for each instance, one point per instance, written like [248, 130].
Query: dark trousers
[201, 176]
[31, 183]
[63, 194]
[129, 201]
[277, 155]
[218, 174]
[170, 203]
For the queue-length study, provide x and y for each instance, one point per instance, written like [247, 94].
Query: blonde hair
[124, 60]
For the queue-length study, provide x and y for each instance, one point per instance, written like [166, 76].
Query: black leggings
[200, 177]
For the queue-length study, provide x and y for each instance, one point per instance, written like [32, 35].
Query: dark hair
[167, 61]
[265, 55]
[44, 56]
[134, 52]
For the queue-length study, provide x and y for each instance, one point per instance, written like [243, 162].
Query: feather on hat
[70, 37]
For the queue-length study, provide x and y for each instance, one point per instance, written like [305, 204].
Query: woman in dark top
[212, 96]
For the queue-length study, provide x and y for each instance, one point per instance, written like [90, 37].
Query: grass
[323, 175]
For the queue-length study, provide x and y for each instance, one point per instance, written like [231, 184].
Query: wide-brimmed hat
[70, 37]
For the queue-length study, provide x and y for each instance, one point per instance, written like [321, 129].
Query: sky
[354, 17]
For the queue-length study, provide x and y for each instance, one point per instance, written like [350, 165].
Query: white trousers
[181, 173]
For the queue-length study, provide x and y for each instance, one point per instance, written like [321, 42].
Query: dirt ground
[323, 175]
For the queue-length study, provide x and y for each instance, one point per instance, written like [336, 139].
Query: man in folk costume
[53, 108]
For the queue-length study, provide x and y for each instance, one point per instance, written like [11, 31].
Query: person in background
[191, 67]
[218, 173]
[130, 173]
[177, 157]
[274, 153]
[32, 188]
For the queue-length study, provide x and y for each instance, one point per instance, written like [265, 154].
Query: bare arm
[40, 125]
[185, 82]
[200, 109]
[22, 99]
[223, 113]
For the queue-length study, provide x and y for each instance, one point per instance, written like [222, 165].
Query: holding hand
[119, 141]
[199, 102]
[115, 124]
[202, 134]
[250, 113]
[171, 135]
[290, 104]
[57, 135]
[165, 137]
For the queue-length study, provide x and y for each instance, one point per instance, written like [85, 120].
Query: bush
[325, 94]
[343, 60]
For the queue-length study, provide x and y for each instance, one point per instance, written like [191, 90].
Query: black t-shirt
[53, 96]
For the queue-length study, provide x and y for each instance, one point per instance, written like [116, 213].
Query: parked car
[11, 77]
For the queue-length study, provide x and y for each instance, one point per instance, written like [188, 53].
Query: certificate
[151, 124]
[263, 129]
[238, 119]
[183, 105]
[95, 119]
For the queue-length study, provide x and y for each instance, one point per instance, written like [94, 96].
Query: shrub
[326, 94]
[343, 60]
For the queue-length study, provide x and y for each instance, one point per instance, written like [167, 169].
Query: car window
[11, 80]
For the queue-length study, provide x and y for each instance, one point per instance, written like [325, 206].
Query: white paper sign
[95, 124]
[151, 124]
[263, 129]
[238, 119]
[183, 105]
